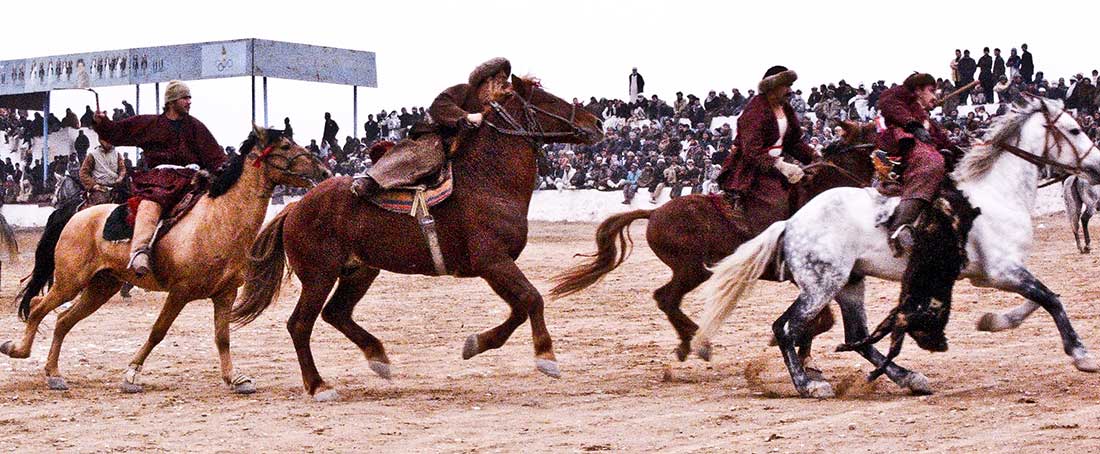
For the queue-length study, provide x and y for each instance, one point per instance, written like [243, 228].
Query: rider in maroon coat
[914, 137]
[174, 146]
[768, 134]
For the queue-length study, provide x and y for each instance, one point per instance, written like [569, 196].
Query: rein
[1059, 137]
[265, 157]
[827, 164]
[533, 130]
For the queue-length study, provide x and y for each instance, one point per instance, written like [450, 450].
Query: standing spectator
[955, 66]
[331, 128]
[985, 74]
[70, 120]
[637, 84]
[1027, 65]
[370, 129]
[86, 119]
[127, 109]
[287, 129]
[81, 144]
[967, 67]
[1013, 64]
[998, 64]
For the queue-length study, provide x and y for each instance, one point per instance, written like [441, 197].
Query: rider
[175, 147]
[768, 131]
[914, 137]
[102, 172]
[457, 109]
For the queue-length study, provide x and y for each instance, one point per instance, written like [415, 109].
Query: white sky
[579, 48]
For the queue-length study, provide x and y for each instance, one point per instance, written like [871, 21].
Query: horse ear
[522, 87]
[260, 133]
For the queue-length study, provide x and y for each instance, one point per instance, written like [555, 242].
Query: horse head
[535, 114]
[283, 161]
[1049, 135]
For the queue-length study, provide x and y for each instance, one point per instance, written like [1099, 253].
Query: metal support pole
[355, 111]
[266, 122]
[253, 99]
[156, 93]
[46, 139]
[137, 99]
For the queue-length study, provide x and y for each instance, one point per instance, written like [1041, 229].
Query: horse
[1081, 199]
[839, 238]
[7, 238]
[691, 232]
[332, 238]
[202, 256]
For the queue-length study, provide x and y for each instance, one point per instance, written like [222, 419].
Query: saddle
[119, 226]
[429, 191]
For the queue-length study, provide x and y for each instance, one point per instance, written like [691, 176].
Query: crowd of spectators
[652, 143]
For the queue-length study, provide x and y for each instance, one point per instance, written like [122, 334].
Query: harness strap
[427, 227]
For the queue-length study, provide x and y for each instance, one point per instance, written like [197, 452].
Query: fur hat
[493, 66]
[917, 81]
[776, 76]
[176, 90]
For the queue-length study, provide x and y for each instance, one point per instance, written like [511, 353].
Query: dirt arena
[621, 388]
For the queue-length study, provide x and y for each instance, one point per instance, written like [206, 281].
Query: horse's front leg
[508, 281]
[854, 315]
[789, 329]
[1011, 319]
[1028, 286]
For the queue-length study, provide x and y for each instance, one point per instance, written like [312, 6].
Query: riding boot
[145, 226]
[902, 225]
[364, 186]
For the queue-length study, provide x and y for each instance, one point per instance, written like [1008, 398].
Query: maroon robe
[924, 165]
[162, 144]
[750, 171]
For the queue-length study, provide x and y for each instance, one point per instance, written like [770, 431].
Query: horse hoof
[818, 390]
[1086, 250]
[682, 352]
[5, 348]
[548, 367]
[704, 352]
[328, 395]
[471, 348]
[993, 323]
[243, 385]
[814, 373]
[57, 384]
[917, 384]
[131, 388]
[380, 368]
[1086, 364]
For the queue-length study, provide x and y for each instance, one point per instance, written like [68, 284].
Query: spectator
[330, 130]
[81, 144]
[967, 66]
[637, 84]
[370, 129]
[287, 129]
[1027, 65]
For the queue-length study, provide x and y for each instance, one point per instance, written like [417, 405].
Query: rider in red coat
[914, 137]
[758, 172]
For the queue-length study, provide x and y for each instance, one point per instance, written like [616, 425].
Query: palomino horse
[331, 237]
[838, 238]
[202, 256]
[689, 233]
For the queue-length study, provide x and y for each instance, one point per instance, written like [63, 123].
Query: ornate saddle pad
[434, 189]
[118, 227]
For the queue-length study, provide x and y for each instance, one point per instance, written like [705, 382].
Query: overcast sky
[579, 48]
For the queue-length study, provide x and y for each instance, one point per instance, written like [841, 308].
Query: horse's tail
[264, 275]
[42, 275]
[7, 235]
[733, 277]
[607, 257]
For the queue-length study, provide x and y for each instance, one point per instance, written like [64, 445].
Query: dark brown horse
[331, 237]
[689, 233]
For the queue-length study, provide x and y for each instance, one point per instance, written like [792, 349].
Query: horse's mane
[233, 168]
[1004, 131]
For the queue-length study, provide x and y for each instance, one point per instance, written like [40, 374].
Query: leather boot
[902, 225]
[364, 186]
[145, 226]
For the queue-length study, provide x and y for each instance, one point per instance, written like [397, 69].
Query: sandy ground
[621, 389]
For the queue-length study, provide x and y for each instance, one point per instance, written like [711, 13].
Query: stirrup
[148, 265]
[895, 240]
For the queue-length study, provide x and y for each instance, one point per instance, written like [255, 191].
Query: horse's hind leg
[671, 295]
[850, 299]
[63, 291]
[338, 313]
[789, 328]
[1089, 211]
[315, 289]
[223, 305]
[1031, 288]
[172, 307]
[508, 281]
[102, 287]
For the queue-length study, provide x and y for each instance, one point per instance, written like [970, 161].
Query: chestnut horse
[331, 237]
[202, 256]
[689, 233]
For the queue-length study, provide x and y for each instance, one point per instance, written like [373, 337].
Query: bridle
[265, 157]
[828, 163]
[1058, 137]
[531, 128]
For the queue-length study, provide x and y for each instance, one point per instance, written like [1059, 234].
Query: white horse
[839, 238]
[1081, 202]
